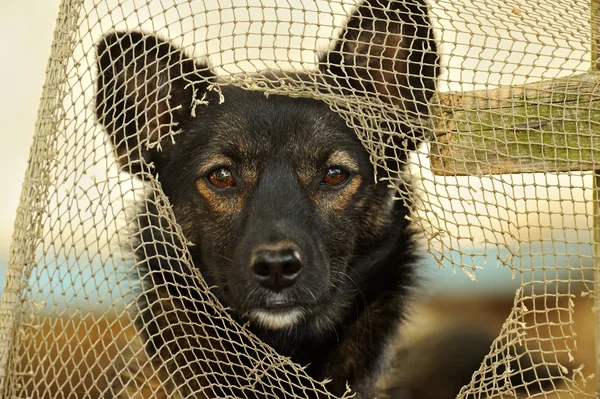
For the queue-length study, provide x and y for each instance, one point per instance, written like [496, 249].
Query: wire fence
[508, 168]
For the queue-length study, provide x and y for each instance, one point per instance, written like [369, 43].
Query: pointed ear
[144, 86]
[387, 50]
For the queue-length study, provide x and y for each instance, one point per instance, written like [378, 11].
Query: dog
[277, 195]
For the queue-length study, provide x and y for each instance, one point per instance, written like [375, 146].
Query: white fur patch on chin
[276, 320]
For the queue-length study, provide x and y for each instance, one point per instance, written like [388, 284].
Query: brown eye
[221, 178]
[335, 177]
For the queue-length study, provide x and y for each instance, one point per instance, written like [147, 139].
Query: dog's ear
[144, 86]
[387, 50]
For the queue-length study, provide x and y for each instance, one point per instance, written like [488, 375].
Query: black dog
[278, 197]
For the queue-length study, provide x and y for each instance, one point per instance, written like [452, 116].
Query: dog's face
[276, 193]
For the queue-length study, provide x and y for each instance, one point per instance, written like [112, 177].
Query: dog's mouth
[279, 311]
[279, 317]
[267, 309]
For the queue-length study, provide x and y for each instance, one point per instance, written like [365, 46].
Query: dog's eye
[335, 176]
[221, 178]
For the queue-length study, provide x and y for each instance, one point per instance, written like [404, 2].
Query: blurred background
[25, 38]
[26, 35]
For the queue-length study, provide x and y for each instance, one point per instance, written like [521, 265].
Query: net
[505, 177]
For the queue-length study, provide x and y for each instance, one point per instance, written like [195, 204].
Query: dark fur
[356, 245]
[440, 361]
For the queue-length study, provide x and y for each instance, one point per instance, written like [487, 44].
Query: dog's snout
[276, 269]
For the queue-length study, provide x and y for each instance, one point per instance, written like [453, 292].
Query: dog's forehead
[253, 124]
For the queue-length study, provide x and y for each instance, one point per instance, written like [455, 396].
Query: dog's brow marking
[342, 158]
[306, 177]
[214, 162]
[250, 175]
[277, 320]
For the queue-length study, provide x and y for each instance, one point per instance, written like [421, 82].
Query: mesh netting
[505, 175]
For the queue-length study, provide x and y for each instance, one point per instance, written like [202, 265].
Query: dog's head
[276, 193]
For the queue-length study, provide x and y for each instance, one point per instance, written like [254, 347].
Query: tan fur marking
[250, 176]
[275, 246]
[338, 203]
[342, 158]
[304, 177]
[218, 203]
[345, 197]
[214, 162]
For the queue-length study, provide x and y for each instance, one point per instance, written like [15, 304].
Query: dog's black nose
[276, 269]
